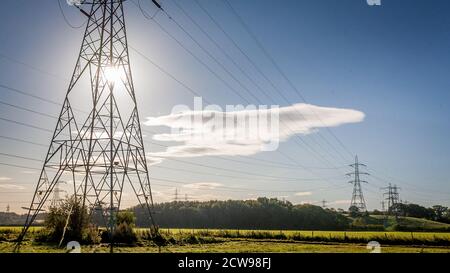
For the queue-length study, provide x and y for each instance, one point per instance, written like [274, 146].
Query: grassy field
[324, 235]
[234, 246]
[410, 222]
[215, 240]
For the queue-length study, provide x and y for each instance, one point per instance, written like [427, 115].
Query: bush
[71, 213]
[91, 235]
[157, 238]
[125, 234]
[124, 229]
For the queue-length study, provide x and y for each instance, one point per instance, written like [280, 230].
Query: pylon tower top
[357, 195]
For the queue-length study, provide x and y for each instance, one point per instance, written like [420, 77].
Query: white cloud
[153, 160]
[11, 187]
[3, 178]
[341, 202]
[303, 193]
[202, 185]
[28, 172]
[189, 128]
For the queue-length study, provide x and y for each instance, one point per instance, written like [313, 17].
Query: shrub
[124, 233]
[71, 213]
[91, 235]
[124, 230]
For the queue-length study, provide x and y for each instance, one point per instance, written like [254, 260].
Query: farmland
[216, 240]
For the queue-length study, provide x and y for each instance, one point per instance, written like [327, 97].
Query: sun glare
[113, 74]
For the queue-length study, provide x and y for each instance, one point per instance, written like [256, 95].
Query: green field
[236, 246]
[324, 235]
[215, 240]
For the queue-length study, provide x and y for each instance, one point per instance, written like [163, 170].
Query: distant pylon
[97, 145]
[8, 208]
[56, 194]
[176, 195]
[324, 203]
[357, 196]
[393, 198]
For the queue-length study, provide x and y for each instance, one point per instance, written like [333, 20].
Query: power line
[273, 178]
[65, 18]
[154, 143]
[236, 171]
[26, 125]
[28, 94]
[296, 165]
[161, 179]
[197, 94]
[422, 191]
[157, 66]
[218, 76]
[18, 166]
[277, 67]
[32, 67]
[243, 72]
[164, 179]
[238, 189]
[22, 141]
[43, 99]
[26, 109]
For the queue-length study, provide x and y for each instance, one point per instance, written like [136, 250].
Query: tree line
[263, 213]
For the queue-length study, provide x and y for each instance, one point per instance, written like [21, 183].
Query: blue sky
[390, 62]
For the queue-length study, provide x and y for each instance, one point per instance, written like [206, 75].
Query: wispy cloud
[28, 172]
[190, 130]
[202, 185]
[4, 178]
[341, 202]
[11, 187]
[303, 193]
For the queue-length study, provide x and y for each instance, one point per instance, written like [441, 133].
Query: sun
[113, 74]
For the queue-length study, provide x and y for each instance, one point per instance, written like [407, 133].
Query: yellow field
[370, 235]
[290, 234]
[228, 240]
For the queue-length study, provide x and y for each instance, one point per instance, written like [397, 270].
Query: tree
[412, 210]
[439, 212]
[354, 211]
[124, 231]
[69, 221]
[262, 213]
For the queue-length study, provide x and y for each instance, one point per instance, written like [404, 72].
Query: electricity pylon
[393, 198]
[101, 150]
[357, 196]
[57, 200]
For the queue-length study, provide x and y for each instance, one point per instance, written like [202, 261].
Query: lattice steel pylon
[393, 198]
[99, 151]
[357, 196]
